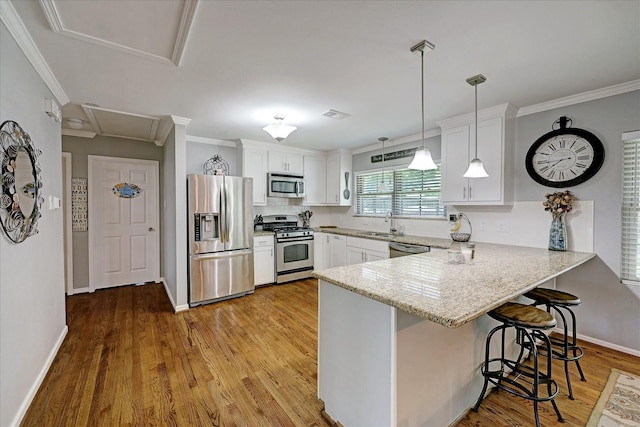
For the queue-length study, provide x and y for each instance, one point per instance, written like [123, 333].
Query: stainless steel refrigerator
[220, 217]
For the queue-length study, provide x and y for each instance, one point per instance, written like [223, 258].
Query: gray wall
[362, 161]
[32, 288]
[198, 153]
[610, 311]
[80, 149]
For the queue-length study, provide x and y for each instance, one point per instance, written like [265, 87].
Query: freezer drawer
[220, 275]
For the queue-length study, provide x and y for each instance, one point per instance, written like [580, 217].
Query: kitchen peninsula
[401, 340]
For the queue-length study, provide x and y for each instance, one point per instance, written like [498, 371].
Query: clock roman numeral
[542, 162]
[551, 173]
[580, 149]
[552, 147]
[581, 165]
[544, 169]
[562, 143]
[584, 157]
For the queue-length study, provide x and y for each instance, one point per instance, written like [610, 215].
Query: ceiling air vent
[336, 115]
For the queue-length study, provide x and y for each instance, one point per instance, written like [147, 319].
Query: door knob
[152, 229]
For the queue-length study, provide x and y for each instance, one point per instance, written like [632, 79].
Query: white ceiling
[242, 62]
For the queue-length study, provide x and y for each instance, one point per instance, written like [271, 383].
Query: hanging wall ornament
[20, 183]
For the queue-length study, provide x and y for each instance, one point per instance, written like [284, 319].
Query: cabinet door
[263, 260]
[455, 160]
[295, 163]
[254, 166]
[355, 255]
[490, 152]
[333, 179]
[338, 250]
[314, 176]
[375, 255]
[277, 161]
[321, 250]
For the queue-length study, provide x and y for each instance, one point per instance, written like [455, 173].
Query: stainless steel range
[294, 247]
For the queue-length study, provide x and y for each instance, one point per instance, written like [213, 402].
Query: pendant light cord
[422, 89]
[476, 87]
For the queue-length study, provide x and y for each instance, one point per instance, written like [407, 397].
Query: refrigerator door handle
[222, 222]
[224, 254]
[226, 214]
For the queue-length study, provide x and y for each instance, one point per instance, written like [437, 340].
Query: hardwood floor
[129, 360]
[251, 361]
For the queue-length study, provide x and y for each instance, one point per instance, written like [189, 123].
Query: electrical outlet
[503, 227]
[483, 226]
[453, 217]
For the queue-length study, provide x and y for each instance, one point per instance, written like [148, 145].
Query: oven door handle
[293, 239]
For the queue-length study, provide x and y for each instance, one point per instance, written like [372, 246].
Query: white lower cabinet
[330, 250]
[365, 250]
[264, 268]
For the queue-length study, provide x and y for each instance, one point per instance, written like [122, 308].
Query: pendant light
[476, 169]
[278, 130]
[422, 159]
[382, 186]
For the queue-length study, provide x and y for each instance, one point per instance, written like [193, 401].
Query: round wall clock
[565, 156]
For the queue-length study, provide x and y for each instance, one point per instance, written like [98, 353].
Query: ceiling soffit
[124, 26]
[122, 125]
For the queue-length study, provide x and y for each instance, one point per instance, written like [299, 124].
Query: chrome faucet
[389, 218]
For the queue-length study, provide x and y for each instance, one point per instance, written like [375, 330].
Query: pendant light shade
[278, 130]
[422, 159]
[476, 168]
[382, 186]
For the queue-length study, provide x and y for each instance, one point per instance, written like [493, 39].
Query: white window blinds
[409, 193]
[630, 262]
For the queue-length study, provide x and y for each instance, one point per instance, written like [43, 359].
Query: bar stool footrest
[517, 370]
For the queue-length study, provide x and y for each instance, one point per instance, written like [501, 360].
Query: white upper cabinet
[495, 148]
[280, 161]
[254, 165]
[325, 179]
[315, 168]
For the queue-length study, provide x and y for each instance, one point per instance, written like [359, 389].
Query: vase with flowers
[559, 204]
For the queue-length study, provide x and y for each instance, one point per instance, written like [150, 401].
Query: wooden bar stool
[514, 376]
[565, 349]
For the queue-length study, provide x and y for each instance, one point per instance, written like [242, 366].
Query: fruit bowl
[460, 237]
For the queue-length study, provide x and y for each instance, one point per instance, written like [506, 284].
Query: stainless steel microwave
[285, 185]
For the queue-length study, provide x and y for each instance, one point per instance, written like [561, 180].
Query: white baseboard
[38, 382]
[176, 308]
[612, 346]
[75, 291]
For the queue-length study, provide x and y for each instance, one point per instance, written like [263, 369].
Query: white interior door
[123, 237]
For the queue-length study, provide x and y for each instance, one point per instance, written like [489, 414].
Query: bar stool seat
[514, 376]
[565, 349]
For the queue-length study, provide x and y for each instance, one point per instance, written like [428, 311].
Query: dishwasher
[397, 249]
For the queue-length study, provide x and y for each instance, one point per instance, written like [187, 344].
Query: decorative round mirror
[20, 199]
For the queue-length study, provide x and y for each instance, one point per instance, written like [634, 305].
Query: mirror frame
[16, 225]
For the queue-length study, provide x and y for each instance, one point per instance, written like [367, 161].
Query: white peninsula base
[380, 366]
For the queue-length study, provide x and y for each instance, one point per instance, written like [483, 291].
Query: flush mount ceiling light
[75, 123]
[476, 169]
[278, 130]
[382, 186]
[422, 159]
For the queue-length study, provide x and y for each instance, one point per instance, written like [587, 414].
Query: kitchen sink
[376, 234]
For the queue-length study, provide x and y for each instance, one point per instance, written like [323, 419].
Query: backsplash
[522, 224]
[283, 205]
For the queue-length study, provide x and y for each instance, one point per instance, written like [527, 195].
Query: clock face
[565, 157]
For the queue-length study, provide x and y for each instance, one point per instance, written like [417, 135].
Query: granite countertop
[263, 233]
[429, 287]
[435, 242]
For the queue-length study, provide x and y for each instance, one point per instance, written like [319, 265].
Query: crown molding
[19, 32]
[398, 141]
[212, 141]
[507, 111]
[591, 95]
[180, 120]
[186, 23]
